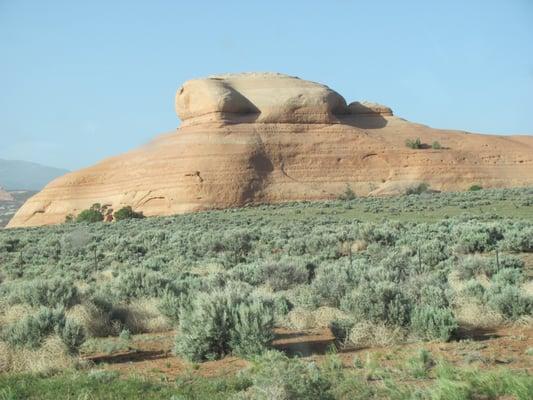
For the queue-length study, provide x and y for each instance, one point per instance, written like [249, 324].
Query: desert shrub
[33, 329]
[476, 237]
[420, 365]
[436, 145]
[252, 325]
[282, 275]
[519, 239]
[509, 301]
[475, 188]
[348, 194]
[471, 265]
[384, 234]
[332, 282]
[509, 276]
[340, 328]
[276, 376]
[414, 143]
[473, 289]
[54, 292]
[432, 252]
[433, 323]
[366, 334]
[127, 213]
[72, 334]
[91, 215]
[378, 302]
[428, 292]
[141, 282]
[218, 323]
[417, 189]
[169, 305]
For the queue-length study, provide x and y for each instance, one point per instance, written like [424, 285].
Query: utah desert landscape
[310, 222]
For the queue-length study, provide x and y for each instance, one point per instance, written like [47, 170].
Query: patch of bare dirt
[151, 355]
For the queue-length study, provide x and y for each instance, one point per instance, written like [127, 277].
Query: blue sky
[84, 80]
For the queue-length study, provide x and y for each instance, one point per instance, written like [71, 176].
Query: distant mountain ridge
[25, 175]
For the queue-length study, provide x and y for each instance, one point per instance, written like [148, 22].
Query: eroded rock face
[257, 97]
[255, 138]
[369, 108]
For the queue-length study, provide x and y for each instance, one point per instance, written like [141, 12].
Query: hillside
[268, 138]
[24, 175]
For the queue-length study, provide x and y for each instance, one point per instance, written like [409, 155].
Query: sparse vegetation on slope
[379, 271]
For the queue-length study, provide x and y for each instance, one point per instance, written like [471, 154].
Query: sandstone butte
[265, 138]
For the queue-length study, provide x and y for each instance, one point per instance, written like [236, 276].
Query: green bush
[91, 215]
[519, 239]
[275, 376]
[282, 275]
[169, 306]
[73, 335]
[54, 292]
[509, 301]
[340, 328]
[33, 329]
[475, 188]
[474, 289]
[141, 282]
[436, 145]
[127, 213]
[252, 327]
[222, 322]
[414, 143]
[378, 302]
[433, 323]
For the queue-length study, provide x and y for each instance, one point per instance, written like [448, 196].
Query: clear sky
[84, 80]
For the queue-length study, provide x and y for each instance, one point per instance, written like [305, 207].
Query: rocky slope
[252, 138]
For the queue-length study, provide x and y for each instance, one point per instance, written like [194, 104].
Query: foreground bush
[224, 322]
[31, 331]
[433, 323]
[379, 302]
[275, 376]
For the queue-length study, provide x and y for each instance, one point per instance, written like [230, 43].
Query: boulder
[257, 97]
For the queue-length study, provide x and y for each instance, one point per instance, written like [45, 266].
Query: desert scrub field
[432, 267]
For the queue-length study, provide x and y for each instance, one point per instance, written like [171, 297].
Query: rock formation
[5, 195]
[255, 138]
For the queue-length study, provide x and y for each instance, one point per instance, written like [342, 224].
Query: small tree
[93, 214]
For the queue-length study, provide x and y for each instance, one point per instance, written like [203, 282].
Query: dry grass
[51, 356]
[322, 317]
[472, 314]
[367, 334]
[140, 316]
[14, 313]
